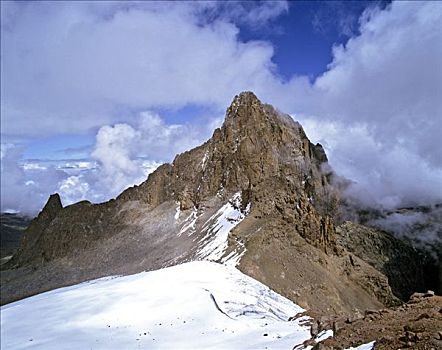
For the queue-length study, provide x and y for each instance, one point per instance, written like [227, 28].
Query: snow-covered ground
[197, 305]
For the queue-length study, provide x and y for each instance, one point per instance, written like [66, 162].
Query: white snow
[233, 258]
[189, 223]
[197, 305]
[203, 162]
[220, 191]
[328, 333]
[368, 346]
[177, 211]
[214, 243]
[324, 335]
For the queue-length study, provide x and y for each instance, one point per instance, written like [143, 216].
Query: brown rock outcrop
[35, 231]
[414, 325]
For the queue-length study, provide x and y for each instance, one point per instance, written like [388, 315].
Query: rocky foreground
[416, 324]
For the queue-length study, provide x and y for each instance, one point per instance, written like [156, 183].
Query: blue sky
[127, 85]
[303, 37]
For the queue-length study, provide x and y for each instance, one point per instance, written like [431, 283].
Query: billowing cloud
[390, 77]
[423, 228]
[25, 190]
[98, 62]
[118, 149]
[378, 109]
[123, 155]
[382, 176]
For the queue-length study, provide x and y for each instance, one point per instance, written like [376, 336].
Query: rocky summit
[258, 195]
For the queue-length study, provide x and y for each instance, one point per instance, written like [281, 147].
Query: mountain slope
[256, 194]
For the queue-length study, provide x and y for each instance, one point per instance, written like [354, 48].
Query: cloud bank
[378, 109]
[123, 155]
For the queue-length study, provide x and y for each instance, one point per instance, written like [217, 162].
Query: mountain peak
[53, 205]
[245, 97]
[247, 118]
[247, 112]
[244, 106]
[35, 231]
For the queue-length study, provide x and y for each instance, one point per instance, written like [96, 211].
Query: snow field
[197, 305]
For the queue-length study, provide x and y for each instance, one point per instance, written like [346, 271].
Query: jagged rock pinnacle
[245, 97]
[36, 229]
[242, 106]
[53, 205]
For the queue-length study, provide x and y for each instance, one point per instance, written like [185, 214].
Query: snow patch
[233, 258]
[189, 223]
[214, 244]
[368, 346]
[324, 335]
[320, 337]
[203, 163]
[177, 211]
[220, 191]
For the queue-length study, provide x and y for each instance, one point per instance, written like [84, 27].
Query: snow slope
[197, 305]
[214, 244]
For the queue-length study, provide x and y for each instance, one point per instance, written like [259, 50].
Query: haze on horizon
[95, 95]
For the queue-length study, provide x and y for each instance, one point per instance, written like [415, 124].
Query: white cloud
[390, 78]
[72, 189]
[115, 152]
[252, 14]
[423, 228]
[119, 147]
[123, 155]
[96, 61]
[383, 177]
[25, 190]
[378, 109]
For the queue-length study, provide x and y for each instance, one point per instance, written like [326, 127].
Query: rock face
[256, 194]
[398, 260]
